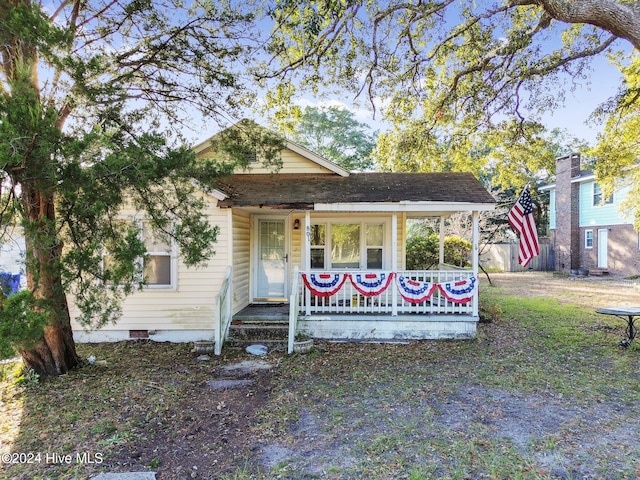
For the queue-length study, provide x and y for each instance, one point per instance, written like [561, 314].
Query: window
[597, 196]
[318, 245]
[374, 241]
[158, 262]
[350, 246]
[159, 266]
[345, 245]
[588, 239]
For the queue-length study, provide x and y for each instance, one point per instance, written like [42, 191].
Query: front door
[271, 261]
[603, 238]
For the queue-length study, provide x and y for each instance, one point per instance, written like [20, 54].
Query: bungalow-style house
[587, 230]
[325, 241]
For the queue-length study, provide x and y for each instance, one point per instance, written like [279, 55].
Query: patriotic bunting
[371, 284]
[460, 291]
[324, 284]
[414, 291]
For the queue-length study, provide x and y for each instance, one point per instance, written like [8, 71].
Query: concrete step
[254, 331]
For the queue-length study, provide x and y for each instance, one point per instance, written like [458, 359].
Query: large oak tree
[454, 76]
[91, 93]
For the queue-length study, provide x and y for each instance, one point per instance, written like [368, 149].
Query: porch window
[374, 240]
[347, 246]
[318, 245]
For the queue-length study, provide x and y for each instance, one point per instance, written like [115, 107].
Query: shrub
[422, 252]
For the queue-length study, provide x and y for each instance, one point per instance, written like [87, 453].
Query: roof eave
[405, 206]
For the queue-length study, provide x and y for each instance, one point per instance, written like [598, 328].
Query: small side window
[588, 239]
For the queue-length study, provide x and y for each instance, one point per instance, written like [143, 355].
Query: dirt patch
[208, 431]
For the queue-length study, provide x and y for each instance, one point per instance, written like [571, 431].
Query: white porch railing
[223, 312]
[294, 303]
[349, 301]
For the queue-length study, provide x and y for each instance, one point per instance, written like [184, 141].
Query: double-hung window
[588, 239]
[159, 266]
[598, 198]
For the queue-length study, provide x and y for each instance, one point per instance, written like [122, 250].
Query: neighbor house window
[588, 239]
[598, 198]
[350, 246]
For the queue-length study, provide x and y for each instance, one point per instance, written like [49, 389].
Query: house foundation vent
[138, 334]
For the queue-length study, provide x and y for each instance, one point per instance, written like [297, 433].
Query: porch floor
[263, 313]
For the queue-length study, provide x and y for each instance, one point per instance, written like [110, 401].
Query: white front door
[603, 237]
[271, 273]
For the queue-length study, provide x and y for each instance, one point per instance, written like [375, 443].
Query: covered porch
[384, 304]
[353, 230]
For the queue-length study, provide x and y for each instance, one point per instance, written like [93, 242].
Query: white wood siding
[291, 163]
[241, 259]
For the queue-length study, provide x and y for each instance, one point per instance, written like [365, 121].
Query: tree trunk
[55, 353]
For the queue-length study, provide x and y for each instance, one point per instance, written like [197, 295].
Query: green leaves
[21, 322]
[335, 134]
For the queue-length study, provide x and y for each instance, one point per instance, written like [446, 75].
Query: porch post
[475, 259]
[441, 245]
[394, 261]
[306, 241]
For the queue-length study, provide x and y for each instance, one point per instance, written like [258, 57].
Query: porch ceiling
[411, 192]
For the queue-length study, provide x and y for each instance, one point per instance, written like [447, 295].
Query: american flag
[521, 219]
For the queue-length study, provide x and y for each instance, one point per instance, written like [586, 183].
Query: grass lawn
[543, 392]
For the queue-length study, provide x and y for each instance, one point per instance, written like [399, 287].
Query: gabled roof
[204, 146]
[359, 191]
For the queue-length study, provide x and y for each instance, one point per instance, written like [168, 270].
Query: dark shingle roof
[305, 190]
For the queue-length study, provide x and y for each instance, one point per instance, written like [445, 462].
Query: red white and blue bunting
[371, 284]
[414, 291]
[324, 284]
[460, 291]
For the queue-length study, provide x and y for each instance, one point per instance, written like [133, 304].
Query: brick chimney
[567, 238]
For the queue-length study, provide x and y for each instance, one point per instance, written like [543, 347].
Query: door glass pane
[271, 264]
[345, 245]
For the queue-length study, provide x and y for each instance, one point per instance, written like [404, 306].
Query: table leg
[631, 328]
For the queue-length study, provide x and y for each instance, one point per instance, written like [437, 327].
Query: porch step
[251, 331]
[599, 272]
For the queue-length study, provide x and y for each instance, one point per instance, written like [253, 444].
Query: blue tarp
[9, 283]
